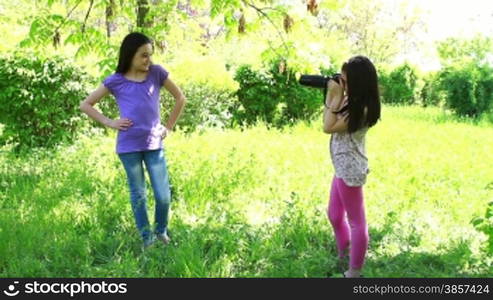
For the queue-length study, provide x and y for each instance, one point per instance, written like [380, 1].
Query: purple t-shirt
[139, 102]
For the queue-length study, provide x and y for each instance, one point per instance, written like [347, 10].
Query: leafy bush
[299, 103]
[274, 96]
[399, 85]
[467, 78]
[39, 100]
[208, 86]
[206, 107]
[469, 89]
[485, 225]
[256, 96]
[431, 93]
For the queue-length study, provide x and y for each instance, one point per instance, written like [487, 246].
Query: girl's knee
[137, 194]
[164, 198]
[335, 218]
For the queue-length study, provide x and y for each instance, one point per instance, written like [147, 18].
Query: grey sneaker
[163, 237]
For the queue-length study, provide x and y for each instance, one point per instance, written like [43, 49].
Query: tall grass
[252, 203]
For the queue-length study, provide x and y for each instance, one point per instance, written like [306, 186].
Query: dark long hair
[362, 83]
[128, 48]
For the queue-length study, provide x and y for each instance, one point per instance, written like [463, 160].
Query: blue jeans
[155, 163]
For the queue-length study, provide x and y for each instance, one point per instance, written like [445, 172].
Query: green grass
[253, 203]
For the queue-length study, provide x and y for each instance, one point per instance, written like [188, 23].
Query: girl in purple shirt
[135, 86]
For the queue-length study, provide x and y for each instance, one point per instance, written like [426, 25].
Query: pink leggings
[347, 199]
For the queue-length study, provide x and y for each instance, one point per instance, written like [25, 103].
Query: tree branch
[109, 17]
[261, 12]
[87, 16]
[68, 15]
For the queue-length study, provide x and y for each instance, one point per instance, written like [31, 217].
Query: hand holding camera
[332, 85]
[335, 88]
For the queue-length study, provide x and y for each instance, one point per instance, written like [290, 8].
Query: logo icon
[11, 290]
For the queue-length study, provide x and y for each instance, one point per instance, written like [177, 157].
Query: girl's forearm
[175, 114]
[332, 105]
[335, 102]
[329, 118]
[95, 114]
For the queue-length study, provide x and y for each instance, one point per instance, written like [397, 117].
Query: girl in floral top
[352, 106]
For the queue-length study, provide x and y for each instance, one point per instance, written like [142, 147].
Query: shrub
[431, 93]
[399, 86]
[256, 96]
[274, 96]
[469, 89]
[485, 225]
[39, 100]
[299, 102]
[206, 107]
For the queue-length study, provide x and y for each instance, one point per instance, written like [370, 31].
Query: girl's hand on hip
[164, 132]
[120, 124]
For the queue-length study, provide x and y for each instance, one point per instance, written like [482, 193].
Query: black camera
[319, 81]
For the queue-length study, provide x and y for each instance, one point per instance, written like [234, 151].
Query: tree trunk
[110, 11]
[142, 11]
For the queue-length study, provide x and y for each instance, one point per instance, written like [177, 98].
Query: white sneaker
[164, 238]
